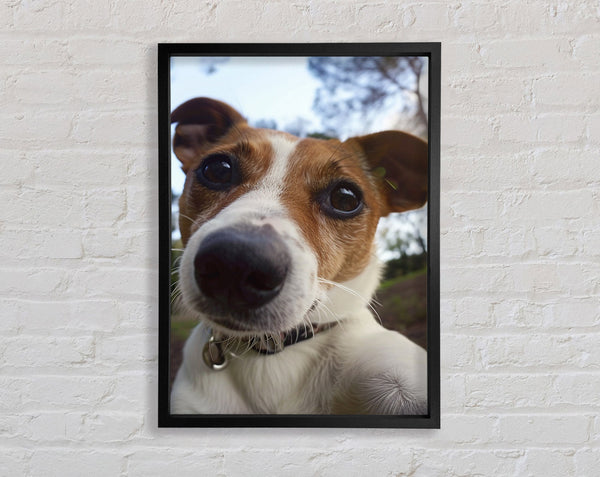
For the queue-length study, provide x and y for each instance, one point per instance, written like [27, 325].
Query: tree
[405, 245]
[359, 88]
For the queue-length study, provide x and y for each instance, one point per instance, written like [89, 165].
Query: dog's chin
[247, 323]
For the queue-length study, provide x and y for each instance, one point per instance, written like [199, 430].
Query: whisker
[354, 293]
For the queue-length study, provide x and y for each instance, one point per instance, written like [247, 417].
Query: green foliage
[404, 265]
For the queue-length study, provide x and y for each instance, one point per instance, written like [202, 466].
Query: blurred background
[326, 97]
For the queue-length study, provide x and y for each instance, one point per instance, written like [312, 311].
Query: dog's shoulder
[381, 372]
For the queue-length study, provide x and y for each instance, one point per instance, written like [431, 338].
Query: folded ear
[201, 121]
[398, 162]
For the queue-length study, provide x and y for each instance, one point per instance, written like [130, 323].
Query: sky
[269, 88]
[258, 87]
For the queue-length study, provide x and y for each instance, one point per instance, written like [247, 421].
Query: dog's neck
[220, 347]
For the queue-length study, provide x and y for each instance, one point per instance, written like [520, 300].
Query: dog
[279, 268]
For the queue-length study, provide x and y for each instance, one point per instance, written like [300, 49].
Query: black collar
[216, 355]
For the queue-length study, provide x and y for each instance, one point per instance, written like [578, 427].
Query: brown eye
[341, 200]
[218, 172]
[344, 199]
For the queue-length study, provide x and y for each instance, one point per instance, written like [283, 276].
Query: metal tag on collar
[214, 356]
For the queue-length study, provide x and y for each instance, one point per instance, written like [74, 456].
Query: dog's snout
[242, 268]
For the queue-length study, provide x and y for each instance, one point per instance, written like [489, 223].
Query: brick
[579, 389]
[107, 282]
[542, 429]
[508, 242]
[86, 168]
[134, 392]
[542, 129]
[428, 17]
[319, 461]
[585, 50]
[572, 314]
[525, 351]
[138, 316]
[494, 172]
[531, 53]
[468, 462]
[45, 15]
[519, 18]
[469, 430]
[578, 18]
[43, 207]
[593, 128]
[477, 205]
[474, 312]
[116, 88]
[36, 127]
[15, 461]
[466, 132]
[44, 87]
[453, 392]
[32, 282]
[180, 462]
[519, 313]
[508, 391]
[122, 351]
[506, 93]
[586, 461]
[551, 206]
[460, 58]
[102, 52]
[17, 168]
[133, 18]
[108, 243]
[565, 89]
[96, 129]
[37, 51]
[480, 279]
[94, 16]
[55, 392]
[108, 426]
[71, 462]
[381, 16]
[191, 15]
[458, 352]
[22, 244]
[64, 317]
[548, 166]
[105, 207]
[549, 462]
[141, 206]
[46, 351]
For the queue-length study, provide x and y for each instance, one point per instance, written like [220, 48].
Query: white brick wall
[520, 239]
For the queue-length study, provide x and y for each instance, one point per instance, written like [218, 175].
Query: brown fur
[389, 167]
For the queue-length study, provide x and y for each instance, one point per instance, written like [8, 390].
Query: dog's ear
[201, 121]
[398, 161]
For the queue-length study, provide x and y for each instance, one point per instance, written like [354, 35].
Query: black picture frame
[166, 51]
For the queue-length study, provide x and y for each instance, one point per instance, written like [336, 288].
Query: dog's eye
[218, 171]
[342, 200]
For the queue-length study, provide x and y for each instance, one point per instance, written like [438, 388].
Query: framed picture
[299, 235]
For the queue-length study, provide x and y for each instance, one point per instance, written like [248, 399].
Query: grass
[403, 278]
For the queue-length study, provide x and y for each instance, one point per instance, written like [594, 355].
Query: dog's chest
[296, 380]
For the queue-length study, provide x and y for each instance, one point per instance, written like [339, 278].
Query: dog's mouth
[250, 324]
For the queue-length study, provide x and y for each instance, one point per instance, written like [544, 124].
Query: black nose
[242, 268]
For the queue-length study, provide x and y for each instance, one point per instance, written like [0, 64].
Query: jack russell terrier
[279, 268]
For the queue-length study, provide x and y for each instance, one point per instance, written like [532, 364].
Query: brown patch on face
[342, 246]
[198, 203]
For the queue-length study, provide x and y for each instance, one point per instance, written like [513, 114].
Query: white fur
[354, 367]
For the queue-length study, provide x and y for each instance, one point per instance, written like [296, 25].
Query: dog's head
[272, 223]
